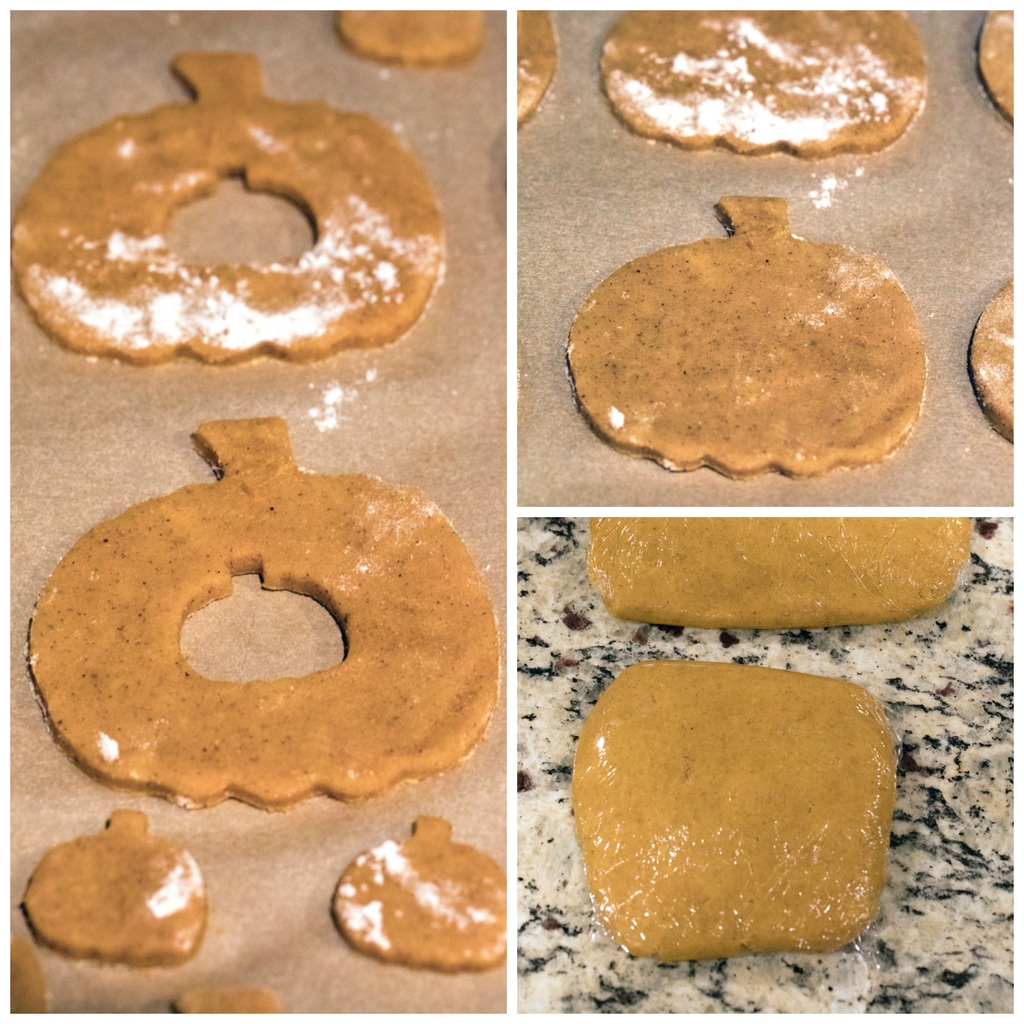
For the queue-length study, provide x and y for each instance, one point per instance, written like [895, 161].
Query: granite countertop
[944, 936]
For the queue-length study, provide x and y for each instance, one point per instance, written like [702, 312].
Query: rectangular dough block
[786, 573]
[727, 809]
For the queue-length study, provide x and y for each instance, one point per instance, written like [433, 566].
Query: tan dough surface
[991, 361]
[813, 83]
[121, 896]
[787, 573]
[413, 38]
[537, 57]
[91, 256]
[757, 352]
[28, 986]
[228, 1000]
[427, 902]
[727, 809]
[995, 60]
[411, 698]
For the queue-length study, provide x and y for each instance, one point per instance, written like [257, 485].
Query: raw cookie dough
[991, 361]
[775, 573]
[28, 986]
[757, 352]
[427, 902]
[995, 60]
[412, 697]
[90, 251]
[121, 896]
[813, 83]
[228, 1000]
[538, 53]
[727, 809]
[413, 38]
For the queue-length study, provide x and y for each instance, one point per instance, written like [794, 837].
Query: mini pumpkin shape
[427, 902]
[411, 698]
[91, 257]
[122, 896]
[995, 60]
[990, 361]
[413, 38]
[537, 57]
[756, 352]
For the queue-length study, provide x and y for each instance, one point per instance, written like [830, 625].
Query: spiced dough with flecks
[411, 698]
[427, 902]
[413, 38]
[727, 809]
[812, 83]
[537, 56]
[90, 249]
[756, 352]
[991, 361]
[122, 896]
[995, 60]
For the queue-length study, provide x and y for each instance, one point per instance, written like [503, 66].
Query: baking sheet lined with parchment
[91, 437]
[936, 207]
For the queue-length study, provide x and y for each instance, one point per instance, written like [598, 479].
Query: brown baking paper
[91, 437]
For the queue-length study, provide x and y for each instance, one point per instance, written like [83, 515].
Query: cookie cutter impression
[90, 251]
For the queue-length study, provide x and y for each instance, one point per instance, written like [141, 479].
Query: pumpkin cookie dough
[727, 809]
[90, 251]
[413, 38]
[228, 1000]
[995, 60]
[991, 361]
[757, 352]
[411, 698]
[812, 83]
[28, 986]
[775, 573]
[121, 897]
[538, 54]
[427, 902]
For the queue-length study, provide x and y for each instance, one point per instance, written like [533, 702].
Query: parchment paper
[90, 438]
[937, 207]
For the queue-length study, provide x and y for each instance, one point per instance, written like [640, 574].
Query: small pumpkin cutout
[122, 896]
[537, 57]
[427, 39]
[995, 60]
[91, 257]
[756, 352]
[411, 698]
[991, 361]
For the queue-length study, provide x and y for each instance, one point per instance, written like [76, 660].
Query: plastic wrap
[775, 573]
[727, 809]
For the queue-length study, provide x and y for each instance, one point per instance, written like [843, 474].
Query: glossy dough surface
[427, 902]
[413, 38]
[411, 698]
[991, 361]
[756, 352]
[727, 809]
[537, 56]
[89, 239]
[121, 896]
[813, 83]
[995, 60]
[775, 573]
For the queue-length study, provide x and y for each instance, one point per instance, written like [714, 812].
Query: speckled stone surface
[943, 941]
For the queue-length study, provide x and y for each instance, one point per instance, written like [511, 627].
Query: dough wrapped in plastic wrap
[727, 809]
[774, 572]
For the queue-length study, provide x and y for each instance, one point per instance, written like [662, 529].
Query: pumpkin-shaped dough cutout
[811, 83]
[427, 902]
[90, 251]
[122, 896]
[991, 361]
[995, 60]
[756, 352]
[424, 39]
[411, 698]
[537, 57]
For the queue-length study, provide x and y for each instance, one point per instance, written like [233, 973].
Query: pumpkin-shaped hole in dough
[261, 634]
[234, 224]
